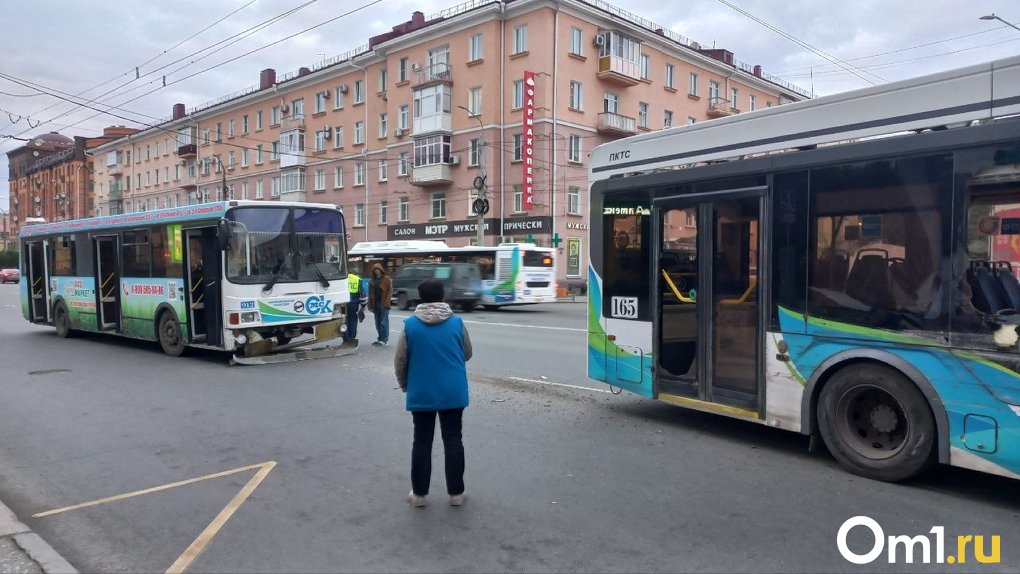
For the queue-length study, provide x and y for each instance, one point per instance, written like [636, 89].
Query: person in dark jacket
[380, 290]
[431, 369]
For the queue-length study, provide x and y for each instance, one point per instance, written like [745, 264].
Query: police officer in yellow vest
[354, 288]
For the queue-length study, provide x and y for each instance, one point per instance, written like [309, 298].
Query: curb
[32, 544]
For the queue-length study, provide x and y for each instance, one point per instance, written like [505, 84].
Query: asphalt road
[558, 478]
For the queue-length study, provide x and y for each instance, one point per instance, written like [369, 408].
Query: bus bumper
[319, 346]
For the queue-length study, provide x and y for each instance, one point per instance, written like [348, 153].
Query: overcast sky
[71, 46]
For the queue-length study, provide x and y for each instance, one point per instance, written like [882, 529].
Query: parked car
[462, 283]
[9, 276]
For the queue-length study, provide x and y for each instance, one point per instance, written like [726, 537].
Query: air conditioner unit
[695, 45]
[284, 108]
[325, 94]
[415, 67]
[382, 95]
[454, 160]
[598, 40]
[343, 88]
[398, 133]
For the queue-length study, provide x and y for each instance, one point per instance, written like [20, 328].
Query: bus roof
[952, 98]
[430, 246]
[213, 210]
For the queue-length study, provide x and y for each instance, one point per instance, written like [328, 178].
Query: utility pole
[481, 203]
[223, 178]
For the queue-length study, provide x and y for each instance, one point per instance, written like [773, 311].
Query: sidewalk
[23, 551]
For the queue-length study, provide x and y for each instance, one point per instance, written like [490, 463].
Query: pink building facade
[399, 132]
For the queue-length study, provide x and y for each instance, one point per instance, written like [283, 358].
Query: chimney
[417, 20]
[757, 71]
[303, 72]
[267, 78]
[178, 111]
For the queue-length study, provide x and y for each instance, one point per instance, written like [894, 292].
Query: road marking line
[558, 384]
[199, 544]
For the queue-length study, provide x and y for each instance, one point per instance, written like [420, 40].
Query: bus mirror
[223, 235]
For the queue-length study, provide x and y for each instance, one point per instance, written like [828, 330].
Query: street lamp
[481, 205]
[992, 16]
[223, 172]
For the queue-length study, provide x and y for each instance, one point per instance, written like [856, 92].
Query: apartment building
[509, 96]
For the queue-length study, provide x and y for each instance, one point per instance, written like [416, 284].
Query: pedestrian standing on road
[353, 306]
[380, 290]
[431, 365]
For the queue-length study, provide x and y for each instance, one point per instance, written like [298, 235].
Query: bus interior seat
[1009, 282]
[989, 294]
[831, 271]
[868, 281]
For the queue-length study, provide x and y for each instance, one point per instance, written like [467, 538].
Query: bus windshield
[285, 245]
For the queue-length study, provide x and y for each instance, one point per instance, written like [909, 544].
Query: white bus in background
[512, 273]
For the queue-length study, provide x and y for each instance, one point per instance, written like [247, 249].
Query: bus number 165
[625, 307]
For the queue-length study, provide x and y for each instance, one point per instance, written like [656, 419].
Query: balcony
[434, 74]
[116, 192]
[719, 107]
[189, 181]
[619, 71]
[115, 170]
[615, 124]
[431, 175]
[440, 122]
[187, 151]
[292, 123]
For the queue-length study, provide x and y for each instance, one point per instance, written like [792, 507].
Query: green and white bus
[239, 276]
[844, 266]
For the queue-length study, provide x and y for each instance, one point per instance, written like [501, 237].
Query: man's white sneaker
[456, 499]
[415, 500]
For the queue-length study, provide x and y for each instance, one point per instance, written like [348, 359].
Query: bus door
[38, 277]
[203, 293]
[106, 252]
[709, 319]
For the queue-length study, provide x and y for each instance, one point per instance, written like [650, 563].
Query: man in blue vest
[353, 306]
[431, 368]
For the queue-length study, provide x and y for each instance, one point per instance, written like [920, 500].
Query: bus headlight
[241, 338]
[250, 317]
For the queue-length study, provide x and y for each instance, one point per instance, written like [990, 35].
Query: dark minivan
[462, 283]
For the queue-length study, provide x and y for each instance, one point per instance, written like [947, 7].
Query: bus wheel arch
[871, 362]
[168, 331]
[62, 319]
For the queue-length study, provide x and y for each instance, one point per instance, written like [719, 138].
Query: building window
[474, 152]
[575, 96]
[402, 70]
[382, 213]
[403, 161]
[359, 215]
[320, 140]
[384, 170]
[244, 124]
[320, 180]
[274, 117]
[275, 153]
[644, 66]
[157, 176]
[338, 136]
[244, 190]
[521, 39]
[383, 79]
[359, 133]
[611, 103]
[275, 192]
[258, 154]
[518, 95]
[231, 128]
[667, 119]
[642, 115]
[431, 150]
[384, 125]
[733, 97]
[338, 177]
[259, 193]
[518, 195]
[575, 41]
[475, 48]
[297, 109]
[359, 173]
[752, 102]
[574, 151]
[403, 117]
[320, 102]
[692, 89]
[219, 132]
[438, 205]
[670, 75]
[258, 120]
[205, 136]
[244, 157]
[475, 101]
[405, 209]
[518, 149]
[574, 200]
[359, 91]
[338, 97]
[713, 90]
[148, 152]
[432, 108]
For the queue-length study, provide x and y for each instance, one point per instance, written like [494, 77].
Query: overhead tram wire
[171, 48]
[848, 67]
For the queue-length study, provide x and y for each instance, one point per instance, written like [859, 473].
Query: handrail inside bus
[743, 298]
[676, 291]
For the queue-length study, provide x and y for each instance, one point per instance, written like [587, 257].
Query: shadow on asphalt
[109, 341]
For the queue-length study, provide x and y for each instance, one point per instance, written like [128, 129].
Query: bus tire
[467, 306]
[876, 423]
[402, 302]
[491, 307]
[169, 333]
[62, 320]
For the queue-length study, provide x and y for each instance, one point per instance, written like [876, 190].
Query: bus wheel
[62, 320]
[402, 303]
[491, 307]
[468, 306]
[876, 423]
[170, 334]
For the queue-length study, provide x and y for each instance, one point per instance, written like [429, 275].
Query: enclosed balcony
[615, 124]
[620, 71]
[116, 191]
[432, 175]
[187, 151]
[433, 74]
[719, 107]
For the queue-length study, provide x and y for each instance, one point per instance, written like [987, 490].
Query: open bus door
[106, 252]
[709, 320]
[37, 273]
[204, 273]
